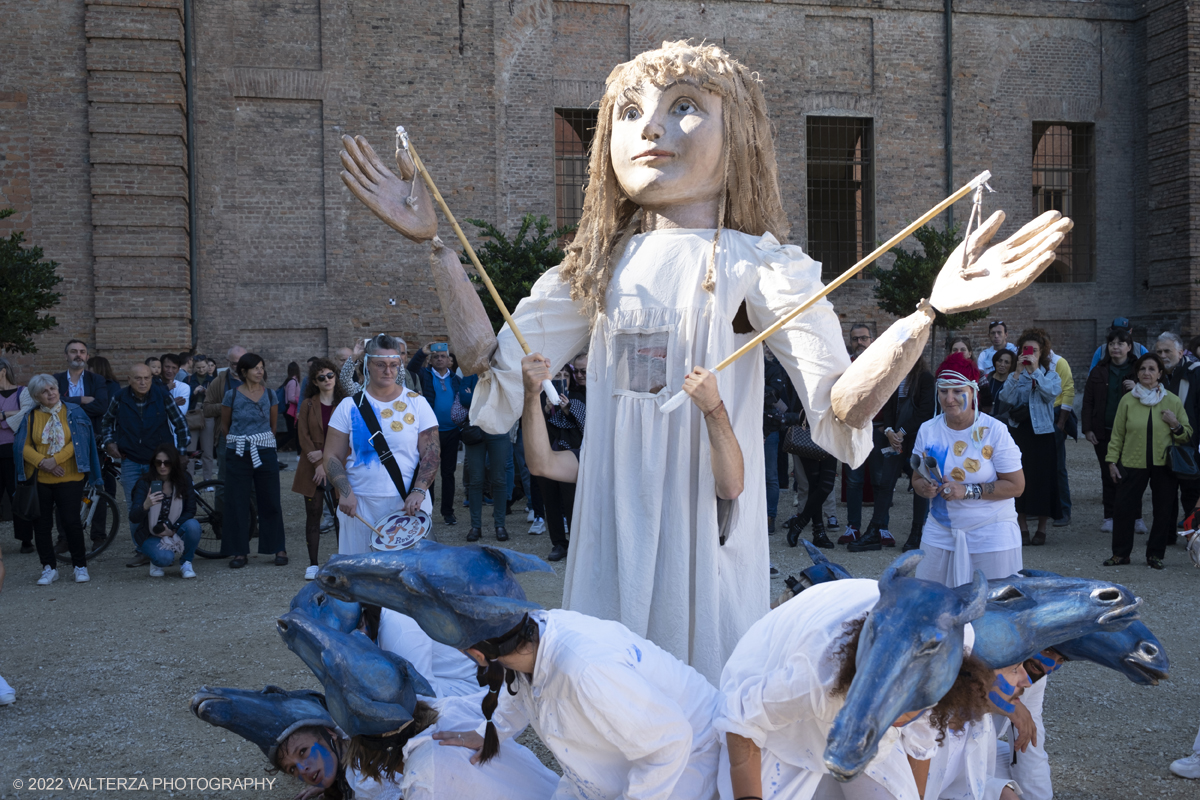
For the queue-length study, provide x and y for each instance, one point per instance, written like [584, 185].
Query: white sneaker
[81, 575]
[8, 698]
[156, 571]
[831, 521]
[795, 501]
[311, 573]
[1187, 767]
[186, 571]
[49, 576]
[1140, 527]
[529, 517]
[1106, 526]
[538, 527]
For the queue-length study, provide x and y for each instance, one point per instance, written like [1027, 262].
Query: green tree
[26, 286]
[514, 265]
[911, 278]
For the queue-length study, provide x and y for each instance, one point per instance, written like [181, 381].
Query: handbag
[798, 441]
[468, 434]
[25, 501]
[1182, 461]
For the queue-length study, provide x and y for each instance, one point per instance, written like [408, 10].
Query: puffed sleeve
[765, 702]
[810, 347]
[552, 325]
[649, 729]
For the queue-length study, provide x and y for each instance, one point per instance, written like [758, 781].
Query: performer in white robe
[683, 145]
[449, 672]
[776, 692]
[624, 718]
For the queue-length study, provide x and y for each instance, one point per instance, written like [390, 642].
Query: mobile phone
[560, 386]
[1027, 350]
[155, 486]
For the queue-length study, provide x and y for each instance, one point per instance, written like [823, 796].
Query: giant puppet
[680, 257]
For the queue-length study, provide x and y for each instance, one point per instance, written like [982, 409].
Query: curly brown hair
[967, 700]
[1039, 337]
[382, 757]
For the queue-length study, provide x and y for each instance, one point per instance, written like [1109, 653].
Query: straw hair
[751, 201]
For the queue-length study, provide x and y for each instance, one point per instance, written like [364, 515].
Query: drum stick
[369, 525]
[406, 143]
[680, 397]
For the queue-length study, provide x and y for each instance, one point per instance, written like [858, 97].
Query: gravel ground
[103, 671]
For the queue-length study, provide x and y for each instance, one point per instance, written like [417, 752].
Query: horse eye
[320, 599]
[929, 647]
[1009, 593]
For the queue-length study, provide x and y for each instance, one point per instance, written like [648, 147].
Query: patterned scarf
[53, 435]
[1149, 397]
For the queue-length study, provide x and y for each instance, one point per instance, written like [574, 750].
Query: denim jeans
[162, 557]
[490, 458]
[1064, 484]
[857, 477]
[771, 457]
[131, 471]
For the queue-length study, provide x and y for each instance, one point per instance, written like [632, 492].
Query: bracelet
[720, 404]
[419, 489]
[973, 491]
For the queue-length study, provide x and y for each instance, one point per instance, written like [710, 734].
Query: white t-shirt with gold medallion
[991, 525]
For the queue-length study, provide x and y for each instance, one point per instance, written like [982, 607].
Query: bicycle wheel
[95, 501]
[210, 519]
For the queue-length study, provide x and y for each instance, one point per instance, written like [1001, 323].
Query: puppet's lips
[652, 154]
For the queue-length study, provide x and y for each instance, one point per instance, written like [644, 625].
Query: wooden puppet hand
[386, 195]
[1000, 271]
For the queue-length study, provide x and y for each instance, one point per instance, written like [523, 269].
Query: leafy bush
[26, 284]
[514, 265]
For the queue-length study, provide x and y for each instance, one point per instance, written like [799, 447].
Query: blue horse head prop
[909, 655]
[460, 596]
[369, 691]
[1028, 613]
[265, 717]
[313, 602]
[822, 571]
[1135, 652]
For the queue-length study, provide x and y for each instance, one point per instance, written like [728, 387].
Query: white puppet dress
[646, 540]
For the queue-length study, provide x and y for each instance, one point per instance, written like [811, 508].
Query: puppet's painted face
[668, 144]
[308, 757]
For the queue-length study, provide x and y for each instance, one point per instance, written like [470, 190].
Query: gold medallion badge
[410, 419]
[960, 448]
[956, 473]
[987, 451]
[386, 413]
[397, 425]
[412, 394]
[971, 465]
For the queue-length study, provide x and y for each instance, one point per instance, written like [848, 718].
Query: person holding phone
[163, 514]
[1149, 420]
[1029, 396]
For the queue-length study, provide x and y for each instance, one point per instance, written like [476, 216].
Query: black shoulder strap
[379, 441]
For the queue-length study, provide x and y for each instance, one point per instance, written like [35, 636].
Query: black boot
[819, 537]
[474, 534]
[795, 526]
[913, 542]
[870, 541]
[501, 534]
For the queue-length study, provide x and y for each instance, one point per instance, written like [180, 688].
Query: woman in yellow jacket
[1149, 419]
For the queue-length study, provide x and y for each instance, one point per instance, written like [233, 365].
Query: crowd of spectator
[181, 420]
[1138, 409]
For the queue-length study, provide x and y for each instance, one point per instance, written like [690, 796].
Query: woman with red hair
[971, 472]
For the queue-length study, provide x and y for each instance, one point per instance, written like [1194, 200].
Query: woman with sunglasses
[162, 512]
[322, 394]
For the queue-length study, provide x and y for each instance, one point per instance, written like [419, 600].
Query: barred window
[841, 191]
[1064, 172]
[573, 131]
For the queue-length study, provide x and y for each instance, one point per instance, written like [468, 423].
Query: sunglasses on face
[328, 376]
[161, 463]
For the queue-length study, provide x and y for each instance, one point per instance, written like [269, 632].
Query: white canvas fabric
[645, 547]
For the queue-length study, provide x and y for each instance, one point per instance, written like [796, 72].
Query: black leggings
[821, 476]
[559, 501]
[312, 525]
[22, 528]
[68, 499]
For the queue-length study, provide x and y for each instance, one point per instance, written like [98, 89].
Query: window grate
[841, 191]
[1064, 181]
[573, 131]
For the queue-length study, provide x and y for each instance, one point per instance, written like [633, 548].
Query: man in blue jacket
[440, 386]
[80, 386]
[142, 416]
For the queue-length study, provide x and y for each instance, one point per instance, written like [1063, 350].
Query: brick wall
[286, 253]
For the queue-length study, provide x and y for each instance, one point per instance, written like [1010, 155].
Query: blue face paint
[1004, 685]
[999, 702]
[1049, 663]
[321, 759]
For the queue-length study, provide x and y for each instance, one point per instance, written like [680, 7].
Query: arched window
[841, 191]
[1064, 180]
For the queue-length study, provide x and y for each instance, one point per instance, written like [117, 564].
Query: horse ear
[903, 567]
[977, 603]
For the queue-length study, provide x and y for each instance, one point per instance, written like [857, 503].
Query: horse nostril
[1149, 650]
[1108, 595]
[283, 626]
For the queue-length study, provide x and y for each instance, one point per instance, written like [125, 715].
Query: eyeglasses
[581, 372]
[161, 463]
[996, 322]
[866, 338]
[328, 376]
